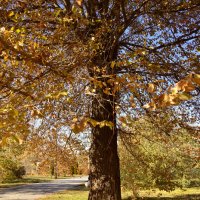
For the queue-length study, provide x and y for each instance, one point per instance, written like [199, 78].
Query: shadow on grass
[178, 197]
[80, 187]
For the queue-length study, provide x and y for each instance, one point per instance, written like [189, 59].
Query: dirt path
[37, 190]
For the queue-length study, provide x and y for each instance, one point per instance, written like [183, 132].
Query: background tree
[54, 151]
[152, 159]
[117, 54]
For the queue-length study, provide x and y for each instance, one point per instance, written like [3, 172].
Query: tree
[97, 60]
[151, 159]
[53, 152]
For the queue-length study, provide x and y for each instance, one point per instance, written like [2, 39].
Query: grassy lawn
[31, 179]
[77, 194]
[178, 194]
[81, 194]
[25, 180]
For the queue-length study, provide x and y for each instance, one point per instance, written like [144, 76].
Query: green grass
[178, 194]
[81, 194]
[30, 179]
[25, 180]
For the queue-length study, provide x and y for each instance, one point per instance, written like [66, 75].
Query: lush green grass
[81, 194]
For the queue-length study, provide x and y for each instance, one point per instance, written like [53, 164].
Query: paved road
[37, 190]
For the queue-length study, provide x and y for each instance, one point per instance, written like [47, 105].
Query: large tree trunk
[104, 161]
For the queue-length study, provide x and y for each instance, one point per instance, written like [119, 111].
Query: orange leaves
[183, 85]
[107, 91]
[79, 2]
[174, 95]
[151, 88]
[81, 125]
[123, 121]
[37, 113]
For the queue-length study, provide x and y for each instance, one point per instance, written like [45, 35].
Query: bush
[10, 169]
[20, 172]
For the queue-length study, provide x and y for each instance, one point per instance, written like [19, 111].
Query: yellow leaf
[163, 98]
[18, 30]
[57, 95]
[63, 93]
[21, 43]
[185, 85]
[75, 128]
[184, 96]
[106, 123]
[3, 142]
[107, 91]
[151, 88]
[79, 127]
[151, 105]
[112, 64]
[92, 122]
[79, 2]
[11, 14]
[174, 90]
[15, 113]
[75, 119]
[15, 138]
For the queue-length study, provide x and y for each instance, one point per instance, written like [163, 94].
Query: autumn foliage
[86, 66]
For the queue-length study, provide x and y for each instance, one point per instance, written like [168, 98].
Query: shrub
[20, 172]
[10, 169]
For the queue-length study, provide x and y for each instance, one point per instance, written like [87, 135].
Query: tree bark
[104, 161]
